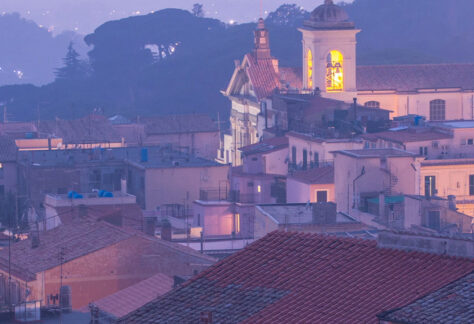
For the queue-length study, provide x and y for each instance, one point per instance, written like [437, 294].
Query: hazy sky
[85, 15]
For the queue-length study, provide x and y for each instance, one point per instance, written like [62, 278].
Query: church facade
[435, 91]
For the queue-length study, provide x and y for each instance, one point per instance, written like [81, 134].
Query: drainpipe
[362, 172]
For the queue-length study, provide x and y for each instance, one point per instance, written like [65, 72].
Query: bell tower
[329, 52]
[262, 41]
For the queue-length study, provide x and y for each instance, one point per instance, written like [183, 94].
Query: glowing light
[310, 69]
[259, 188]
[335, 72]
[237, 223]
[232, 21]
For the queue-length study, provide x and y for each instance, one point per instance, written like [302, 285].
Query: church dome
[329, 16]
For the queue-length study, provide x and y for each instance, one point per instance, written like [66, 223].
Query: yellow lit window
[259, 188]
[310, 69]
[335, 72]
[237, 223]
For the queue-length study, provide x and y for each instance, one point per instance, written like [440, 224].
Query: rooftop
[155, 157]
[298, 213]
[77, 239]
[67, 200]
[133, 297]
[324, 175]
[376, 153]
[266, 146]
[451, 304]
[175, 124]
[408, 135]
[295, 278]
[414, 77]
[456, 124]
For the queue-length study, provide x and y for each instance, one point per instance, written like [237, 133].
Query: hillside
[173, 62]
[29, 54]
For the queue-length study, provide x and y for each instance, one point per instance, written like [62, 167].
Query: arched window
[310, 69]
[437, 109]
[335, 72]
[372, 104]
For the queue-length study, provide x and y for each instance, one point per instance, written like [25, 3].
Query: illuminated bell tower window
[310, 69]
[335, 72]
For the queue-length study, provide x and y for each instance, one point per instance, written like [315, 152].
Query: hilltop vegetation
[173, 62]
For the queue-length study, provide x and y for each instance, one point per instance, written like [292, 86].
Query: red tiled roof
[129, 299]
[263, 76]
[408, 135]
[266, 146]
[453, 304]
[413, 77]
[323, 175]
[305, 278]
[17, 128]
[174, 124]
[90, 129]
[77, 239]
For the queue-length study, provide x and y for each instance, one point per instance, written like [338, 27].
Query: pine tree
[198, 10]
[73, 68]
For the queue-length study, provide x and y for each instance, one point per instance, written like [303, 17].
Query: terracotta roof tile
[263, 76]
[77, 239]
[451, 304]
[174, 124]
[131, 298]
[90, 129]
[413, 77]
[305, 278]
[409, 135]
[266, 146]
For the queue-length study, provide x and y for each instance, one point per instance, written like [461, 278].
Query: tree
[74, 68]
[198, 10]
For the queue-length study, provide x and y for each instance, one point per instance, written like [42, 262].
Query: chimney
[166, 230]
[381, 204]
[452, 202]
[324, 213]
[150, 225]
[123, 185]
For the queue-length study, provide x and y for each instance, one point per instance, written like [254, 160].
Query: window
[310, 69]
[259, 188]
[321, 196]
[470, 141]
[316, 159]
[249, 184]
[424, 150]
[335, 72]
[237, 223]
[471, 185]
[293, 155]
[437, 109]
[305, 159]
[434, 219]
[435, 145]
[372, 104]
[430, 186]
